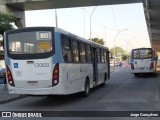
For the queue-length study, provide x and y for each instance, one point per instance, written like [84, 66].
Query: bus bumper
[37, 91]
[143, 71]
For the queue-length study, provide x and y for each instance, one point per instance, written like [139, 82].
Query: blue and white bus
[143, 60]
[51, 61]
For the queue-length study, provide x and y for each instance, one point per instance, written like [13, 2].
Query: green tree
[99, 41]
[124, 57]
[118, 51]
[5, 22]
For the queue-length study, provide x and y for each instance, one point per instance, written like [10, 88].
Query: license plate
[142, 68]
[32, 83]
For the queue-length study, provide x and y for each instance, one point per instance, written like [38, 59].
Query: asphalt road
[123, 92]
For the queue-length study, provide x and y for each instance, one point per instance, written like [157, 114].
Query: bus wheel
[85, 93]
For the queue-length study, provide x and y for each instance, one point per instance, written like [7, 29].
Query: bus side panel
[74, 76]
[108, 64]
[101, 72]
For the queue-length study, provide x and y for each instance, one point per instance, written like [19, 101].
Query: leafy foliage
[124, 57]
[5, 22]
[99, 41]
[117, 51]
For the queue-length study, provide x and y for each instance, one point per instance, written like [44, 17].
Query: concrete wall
[15, 12]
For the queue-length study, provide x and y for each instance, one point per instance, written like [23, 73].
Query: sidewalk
[6, 97]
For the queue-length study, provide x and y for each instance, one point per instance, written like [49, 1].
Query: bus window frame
[70, 47]
[82, 44]
[88, 53]
[31, 56]
[143, 49]
[72, 42]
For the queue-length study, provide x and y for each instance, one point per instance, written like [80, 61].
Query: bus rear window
[142, 54]
[30, 42]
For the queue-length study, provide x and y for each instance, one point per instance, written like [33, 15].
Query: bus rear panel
[29, 61]
[143, 60]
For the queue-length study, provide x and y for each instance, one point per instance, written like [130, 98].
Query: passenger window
[102, 55]
[105, 58]
[82, 52]
[75, 51]
[88, 53]
[66, 49]
[98, 55]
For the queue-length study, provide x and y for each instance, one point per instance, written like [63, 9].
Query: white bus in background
[143, 60]
[51, 61]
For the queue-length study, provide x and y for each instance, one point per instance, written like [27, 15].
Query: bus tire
[85, 93]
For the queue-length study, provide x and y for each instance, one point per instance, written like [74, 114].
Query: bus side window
[66, 49]
[102, 55]
[98, 55]
[88, 53]
[82, 52]
[75, 51]
[105, 58]
[149, 54]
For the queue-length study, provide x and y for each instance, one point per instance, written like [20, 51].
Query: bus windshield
[30, 42]
[142, 53]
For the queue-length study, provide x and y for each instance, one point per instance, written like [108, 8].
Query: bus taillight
[151, 66]
[55, 79]
[10, 77]
[132, 66]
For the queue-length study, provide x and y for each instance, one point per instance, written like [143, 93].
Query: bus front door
[95, 67]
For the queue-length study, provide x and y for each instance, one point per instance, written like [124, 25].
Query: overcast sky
[114, 18]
